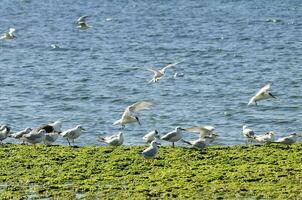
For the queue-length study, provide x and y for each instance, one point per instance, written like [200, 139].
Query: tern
[129, 113]
[52, 127]
[288, 140]
[8, 35]
[202, 130]
[113, 140]
[73, 133]
[50, 138]
[262, 94]
[159, 73]
[82, 22]
[173, 136]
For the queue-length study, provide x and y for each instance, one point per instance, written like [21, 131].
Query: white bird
[34, 136]
[82, 23]
[248, 133]
[151, 151]
[73, 133]
[129, 113]
[158, 73]
[4, 132]
[292, 138]
[113, 140]
[173, 136]
[202, 130]
[19, 134]
[266, 138]
[262, 94]
[200, 143]
[149, 137]
[54, 46]
[8, 35]
[52, 127]
[50, 138]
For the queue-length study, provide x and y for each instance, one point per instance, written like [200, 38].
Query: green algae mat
[237, 172]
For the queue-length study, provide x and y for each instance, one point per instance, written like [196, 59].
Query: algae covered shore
[237, 172]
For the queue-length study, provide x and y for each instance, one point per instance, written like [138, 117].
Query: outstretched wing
[143, 105]
[264, 89]
[82, 18]
[204, 130]
[170, 65]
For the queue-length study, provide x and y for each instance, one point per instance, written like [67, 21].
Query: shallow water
[232, 48]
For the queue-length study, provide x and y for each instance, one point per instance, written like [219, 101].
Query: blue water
[232, 49]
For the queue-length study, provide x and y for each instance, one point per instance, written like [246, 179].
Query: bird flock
[49, 133]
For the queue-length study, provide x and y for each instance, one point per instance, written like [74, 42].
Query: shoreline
[242, 171]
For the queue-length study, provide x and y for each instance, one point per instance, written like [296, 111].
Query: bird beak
[272, 95]
[137, 119]
[83, 129]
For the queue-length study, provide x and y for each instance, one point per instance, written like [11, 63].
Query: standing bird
[82, 22]
[129, 113]
[4, 132]
[248, 134]
[158, 73]
[263, 94]
[73, 133]
[151, 151]
[8, 35]
[288, 140]
[266, 138]
[173, 136]
[34, 136]
[149, 137]
[113, 140]
[199, 144]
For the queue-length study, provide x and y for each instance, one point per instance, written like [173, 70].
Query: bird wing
[264, 89]
[155, 71]
[205, 130]
[82, 18]
[170, 65]
[142, 105]
[11, 30]
[168, 136]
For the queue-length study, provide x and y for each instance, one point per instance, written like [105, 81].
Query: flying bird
[129, 115]
[82, 22]
[159, 73]
[262, 94]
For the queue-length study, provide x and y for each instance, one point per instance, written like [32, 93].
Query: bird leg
[68, 141]
[173, 145]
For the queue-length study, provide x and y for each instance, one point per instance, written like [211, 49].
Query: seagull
[151, 151]
[248, 133]
[113, 140]
[73, 133]
[52, 127]
[8, 35]
[149, 137]
[129, 113]
[266, 138]
[263, 93]
[292, 138]
[50, 138]
[158, 73]
[200, 143]
[34, 136]
[4, 132]
[173, 136]
[19, 134]
[82, 23]
[202, 130]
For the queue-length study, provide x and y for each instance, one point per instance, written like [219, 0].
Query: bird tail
[100, 139]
